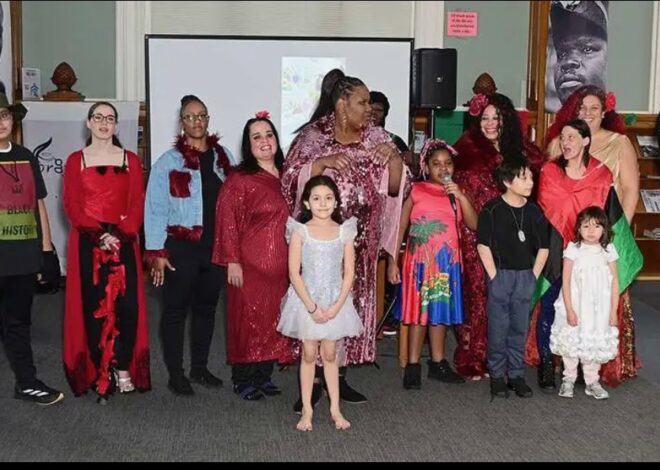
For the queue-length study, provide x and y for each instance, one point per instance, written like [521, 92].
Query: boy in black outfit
[25, 250]
[512, 241]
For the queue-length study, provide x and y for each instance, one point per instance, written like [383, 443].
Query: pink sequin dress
[364, 195]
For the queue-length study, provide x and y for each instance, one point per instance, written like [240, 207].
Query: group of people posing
[296, 240]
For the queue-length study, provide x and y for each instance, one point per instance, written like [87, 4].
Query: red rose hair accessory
[432, 145]
[262, 114]
[477, 104]
[610, 102]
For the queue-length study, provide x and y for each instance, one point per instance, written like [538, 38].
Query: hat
[17, 110]
[579, 17]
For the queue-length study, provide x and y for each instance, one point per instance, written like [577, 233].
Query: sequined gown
[250, 225]
[364, 195]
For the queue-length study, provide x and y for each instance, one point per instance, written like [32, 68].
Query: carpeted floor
[440, 422]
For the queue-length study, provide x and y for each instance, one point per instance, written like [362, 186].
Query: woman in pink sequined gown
[495, 134]
[250, 225]
[368, 170]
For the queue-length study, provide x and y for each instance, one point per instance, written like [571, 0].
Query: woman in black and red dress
[106, 342]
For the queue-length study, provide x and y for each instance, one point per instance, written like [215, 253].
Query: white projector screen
[236, 77]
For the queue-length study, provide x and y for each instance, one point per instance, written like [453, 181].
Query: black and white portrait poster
[5, 50]
[576, 51]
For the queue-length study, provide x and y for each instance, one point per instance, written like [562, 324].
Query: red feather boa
[191, 155]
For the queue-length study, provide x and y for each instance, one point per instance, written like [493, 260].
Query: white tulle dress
[322, 272]
[593, 340]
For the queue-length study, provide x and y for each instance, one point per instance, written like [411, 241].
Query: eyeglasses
[110, 119]
[6, 116]
[190, 118]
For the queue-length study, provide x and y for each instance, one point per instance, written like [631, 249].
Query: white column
[429, 24]
[133, 21]
[654, 85]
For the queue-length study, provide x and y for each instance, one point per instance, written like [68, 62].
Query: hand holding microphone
[451, 188]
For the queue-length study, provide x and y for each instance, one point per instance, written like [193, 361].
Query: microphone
[446, 179]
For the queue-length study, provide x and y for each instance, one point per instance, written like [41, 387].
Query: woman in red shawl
[368, 170]
[494, 135]
[250, 225]
[611, 146]
[105, 323]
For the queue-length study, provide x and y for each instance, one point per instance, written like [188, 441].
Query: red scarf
[191, 155]
[562, 198]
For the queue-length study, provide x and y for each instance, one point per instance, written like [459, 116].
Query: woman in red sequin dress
[368, 170]
[105, 321]
[494, 135]
[250, 225]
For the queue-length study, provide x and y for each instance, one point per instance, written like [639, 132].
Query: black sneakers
[204, 377]
[498, 388]
[518, 385]
[412, 377]
[546, 375]
[443, 372]
[39, 393]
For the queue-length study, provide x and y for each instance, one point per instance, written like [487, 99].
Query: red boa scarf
[191, 155]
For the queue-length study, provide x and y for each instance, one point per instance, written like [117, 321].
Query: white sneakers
[595, 390]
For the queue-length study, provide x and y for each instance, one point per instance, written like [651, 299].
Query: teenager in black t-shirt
[24, 233]
[512, 241]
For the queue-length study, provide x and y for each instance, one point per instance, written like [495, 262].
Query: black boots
[412, 377]
[498, 388]
[443, 372]
[546, 372]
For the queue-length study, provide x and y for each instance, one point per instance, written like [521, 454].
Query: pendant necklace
[521, 234]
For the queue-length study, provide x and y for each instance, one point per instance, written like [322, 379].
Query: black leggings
[126, 306]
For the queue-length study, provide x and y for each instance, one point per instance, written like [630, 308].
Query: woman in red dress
[250, 225]
[105, 321]
[495, 135]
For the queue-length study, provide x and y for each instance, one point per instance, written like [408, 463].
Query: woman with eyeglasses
[106, 341]
[179, 230]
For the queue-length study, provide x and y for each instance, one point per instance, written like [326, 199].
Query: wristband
[315, 308]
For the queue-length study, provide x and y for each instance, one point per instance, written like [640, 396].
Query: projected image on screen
[301, 88]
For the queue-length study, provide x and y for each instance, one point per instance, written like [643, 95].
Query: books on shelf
[651, 199]
[648, 145]
[655, 233]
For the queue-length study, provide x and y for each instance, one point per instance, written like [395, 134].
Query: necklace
[521, 234]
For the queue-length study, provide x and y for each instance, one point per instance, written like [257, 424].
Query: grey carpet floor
[441, 422]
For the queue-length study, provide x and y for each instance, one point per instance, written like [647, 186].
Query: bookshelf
[649, 171]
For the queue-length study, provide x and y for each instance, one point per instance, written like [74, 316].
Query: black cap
[579, 17]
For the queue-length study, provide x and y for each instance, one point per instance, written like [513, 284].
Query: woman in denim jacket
[179, 221]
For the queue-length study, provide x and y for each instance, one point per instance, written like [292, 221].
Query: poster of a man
[577, 49]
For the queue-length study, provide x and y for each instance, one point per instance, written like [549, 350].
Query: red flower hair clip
[477, 104]
[262, 114]
[610, 102]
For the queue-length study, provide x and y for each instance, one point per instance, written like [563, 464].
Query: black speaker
[433, 78]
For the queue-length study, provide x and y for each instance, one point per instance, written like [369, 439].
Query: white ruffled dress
[322, 272]
[593, 340]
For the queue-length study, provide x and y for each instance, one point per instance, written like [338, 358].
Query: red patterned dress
[364, 195]
[250, 221]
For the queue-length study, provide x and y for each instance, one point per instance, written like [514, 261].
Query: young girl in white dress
[585, 329]
[318, 307]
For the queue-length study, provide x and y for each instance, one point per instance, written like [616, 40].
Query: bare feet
[305, 423]
[340, 422]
